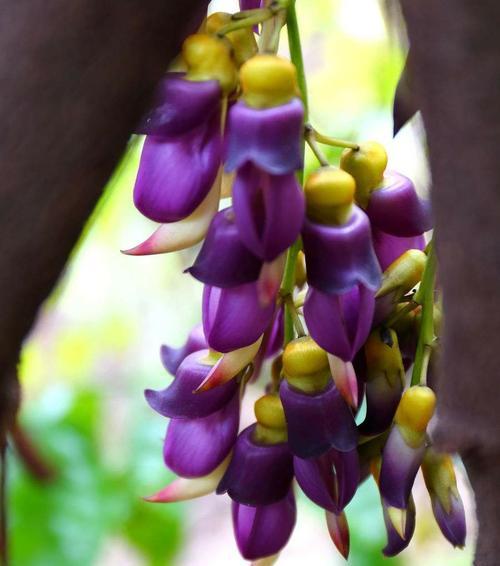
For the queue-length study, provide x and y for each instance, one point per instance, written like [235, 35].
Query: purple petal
[178, 399]
[388, 248]
[397, 209]
[400, 464]
[259, 474]
[270, 138]
[180, 105]
[250, 4]
[171, 358]
[340, 323]
[195, 447]
[331, 480]
[269, 210]
[234, 318]
[176, 174]
[263, 531]
[452, 524]
[317, 423]
[382, 400]
[341, 257]
[395, 544]
[275, 334]
[223, 260]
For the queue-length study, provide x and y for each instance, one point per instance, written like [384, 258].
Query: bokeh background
[95, 347]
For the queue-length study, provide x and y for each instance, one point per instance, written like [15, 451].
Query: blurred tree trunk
[75, 77]
[456, 64]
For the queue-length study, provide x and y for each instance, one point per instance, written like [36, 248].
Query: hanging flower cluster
[233, 123]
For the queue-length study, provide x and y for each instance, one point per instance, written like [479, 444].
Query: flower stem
[250, 18]
[335, 142]
[425, 297]
[288, 281]
[310, 137]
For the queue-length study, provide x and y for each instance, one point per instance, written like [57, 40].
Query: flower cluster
[332, 284]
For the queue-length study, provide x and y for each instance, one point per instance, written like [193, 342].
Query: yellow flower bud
[268, 80]
[439, 476]
[367, 165]
[383, 356]
[403, 274]
[242, 40]
[207, 58]
[305, 365]
[271, 423]
[416, 408]
[330, 195]
[300, 270]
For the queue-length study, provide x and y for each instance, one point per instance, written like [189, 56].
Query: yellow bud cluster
[242, 40]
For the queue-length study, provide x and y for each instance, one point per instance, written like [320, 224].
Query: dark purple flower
[259, 474]
[330, 480]
[388, 248]
[382, 399]
[263, 530]
[340, 323]
[395, 208]
[451, 524]
[395, 544]
[400, 464]
[340, 257]
[275, 334]
[269, 210]
[178, 399]
[270, 138]
[317, 422]
[171, 358]
[223, 260]
[180, 105]
[176, 173]
[234, 318]
[250, 4]
[195, 447]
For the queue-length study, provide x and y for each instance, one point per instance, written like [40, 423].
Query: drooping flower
[405, 446]
[447, 505]
[309, 396]
[263, 530]
[261, 468]
[330, 480]
[395, 542]
[389, 248]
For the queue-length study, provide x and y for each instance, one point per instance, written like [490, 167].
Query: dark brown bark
[74, 79]
[456, 62]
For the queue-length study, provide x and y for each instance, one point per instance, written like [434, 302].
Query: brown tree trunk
[74, 78]
[456, 64]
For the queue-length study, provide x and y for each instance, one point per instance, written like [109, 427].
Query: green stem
[310, 138]
[295, 47]
[335, 142]
[425, 297]
[256, 17]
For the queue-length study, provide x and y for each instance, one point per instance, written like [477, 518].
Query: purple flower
[269, 210]
[330, 480]
[234, 318]
[340, 323]
[452, 523]
[195, 447]
[388, 248]
[275, 334]
[400, 464]
[171, 358]
[270, 138]
[396, 209]
[382, 399]
[263, 530]
[395, 543]
[317, 422]
[259, 474]
[250, 4]
[340, 257]
[183, 151]
[223, 260]
[178, 400]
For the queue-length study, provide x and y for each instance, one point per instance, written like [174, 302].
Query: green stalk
[295, 47]
[425, 297]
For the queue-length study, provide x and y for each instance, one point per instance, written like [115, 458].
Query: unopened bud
[416, 408]
[329, 196]
[268, 80]
[383, 356]
[271, 422]
[367, 165]
[210, 58]
[242, 40]
[403, 274]
[305, 365]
